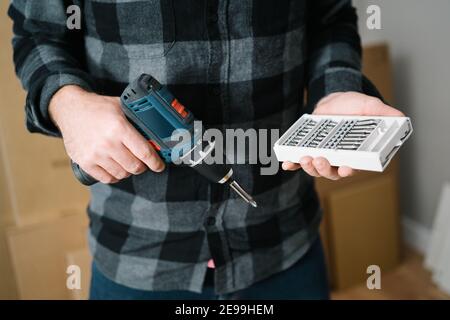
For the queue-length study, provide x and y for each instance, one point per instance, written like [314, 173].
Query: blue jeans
[306, 279]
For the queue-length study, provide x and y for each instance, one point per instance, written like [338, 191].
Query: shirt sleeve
[47, 56]
[334, 51]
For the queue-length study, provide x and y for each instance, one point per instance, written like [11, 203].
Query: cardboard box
[38, 254]
[5, 202]
[37, 168]
[363, 229]
[377, 67]
[8, 289]
[83, 259]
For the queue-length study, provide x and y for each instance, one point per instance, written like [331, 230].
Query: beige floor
[410, 281]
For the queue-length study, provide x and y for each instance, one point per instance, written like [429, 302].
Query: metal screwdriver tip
[241, 192]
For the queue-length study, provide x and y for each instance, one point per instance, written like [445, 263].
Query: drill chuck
[200, 160]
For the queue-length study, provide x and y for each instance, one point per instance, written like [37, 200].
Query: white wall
[418, 33]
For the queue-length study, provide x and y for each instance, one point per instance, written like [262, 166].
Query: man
[154, 228]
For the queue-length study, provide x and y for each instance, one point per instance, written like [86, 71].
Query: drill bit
[241, 192]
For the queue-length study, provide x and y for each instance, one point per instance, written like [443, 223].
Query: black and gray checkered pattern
[235, 64]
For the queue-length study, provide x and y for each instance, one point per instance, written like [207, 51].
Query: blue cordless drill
[156, 114]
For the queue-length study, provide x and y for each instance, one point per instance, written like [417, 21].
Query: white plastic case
[359, 142]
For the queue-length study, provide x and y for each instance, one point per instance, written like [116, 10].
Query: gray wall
[418, 33]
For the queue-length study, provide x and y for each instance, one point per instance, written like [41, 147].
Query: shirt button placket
[213, 219]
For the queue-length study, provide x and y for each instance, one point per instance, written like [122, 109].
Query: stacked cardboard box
[38, 254]
[7, 284]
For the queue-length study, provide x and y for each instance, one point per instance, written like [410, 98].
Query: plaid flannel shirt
[235, 64]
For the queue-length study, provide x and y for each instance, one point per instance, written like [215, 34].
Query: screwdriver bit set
[359, 142]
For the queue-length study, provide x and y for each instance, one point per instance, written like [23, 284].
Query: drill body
[157, 115]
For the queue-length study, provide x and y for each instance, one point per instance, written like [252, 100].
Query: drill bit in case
[359, 142]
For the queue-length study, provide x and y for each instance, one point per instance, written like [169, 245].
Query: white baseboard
[416, 235]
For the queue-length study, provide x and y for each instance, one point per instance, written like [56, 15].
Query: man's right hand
[98, 137]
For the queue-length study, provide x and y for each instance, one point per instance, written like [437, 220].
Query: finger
[290, 166]
[113, 168]
[306, 163]
[142, 149]
[324, 168]
[100, 174]
[345, 171]
[128, 160]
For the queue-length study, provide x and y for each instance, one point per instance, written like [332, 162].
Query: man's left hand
[341, 103]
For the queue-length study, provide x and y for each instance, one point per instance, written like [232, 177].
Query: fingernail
[285, 166]
[161, 167]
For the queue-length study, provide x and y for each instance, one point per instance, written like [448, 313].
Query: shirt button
[210, 221]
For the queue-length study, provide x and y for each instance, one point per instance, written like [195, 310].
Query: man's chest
[198, 46]
[151, 28]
